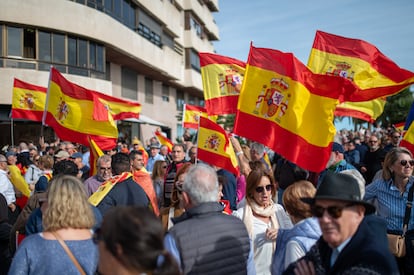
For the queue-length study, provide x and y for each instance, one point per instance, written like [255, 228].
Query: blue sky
[290, 26]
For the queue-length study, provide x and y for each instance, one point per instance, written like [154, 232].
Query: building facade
[139, 50]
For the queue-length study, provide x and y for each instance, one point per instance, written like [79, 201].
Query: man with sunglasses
[103, 173]
[351, 242]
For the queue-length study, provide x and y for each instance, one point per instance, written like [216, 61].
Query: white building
[140, 50]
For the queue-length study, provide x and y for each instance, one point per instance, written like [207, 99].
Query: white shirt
[6, 187]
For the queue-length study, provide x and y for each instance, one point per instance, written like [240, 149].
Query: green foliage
[397, 108]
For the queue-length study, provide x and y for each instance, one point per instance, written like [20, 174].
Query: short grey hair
[201, 184]
[258, 147]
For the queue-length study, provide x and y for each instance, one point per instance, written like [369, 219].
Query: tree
[397, 108]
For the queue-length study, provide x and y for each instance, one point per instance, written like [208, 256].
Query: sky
[290, 26]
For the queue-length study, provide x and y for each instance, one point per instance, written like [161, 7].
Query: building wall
[124, 47]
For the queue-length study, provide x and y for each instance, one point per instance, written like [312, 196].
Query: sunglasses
[396, 136]
[260, 189]
[404, 162]
[333, 211]
[164, 167]
[105, 168]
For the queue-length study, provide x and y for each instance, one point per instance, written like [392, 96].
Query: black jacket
[366, 253]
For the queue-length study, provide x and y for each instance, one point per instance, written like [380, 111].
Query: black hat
[343, 187]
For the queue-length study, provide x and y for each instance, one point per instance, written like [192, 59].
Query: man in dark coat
[351, 242]
[123, 189]
[204, 240]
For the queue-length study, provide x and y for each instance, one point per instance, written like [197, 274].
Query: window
[128, 14]
[45, 51]
[191, 100]
[21, 42]
[165, 93]
[14, 41]
[180, 100]
[149, 93]
[196, 27]
[194, 60]
[78, 56]
[129, 84]
[58, 45]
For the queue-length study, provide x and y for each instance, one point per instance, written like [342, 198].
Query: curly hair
[68, 205]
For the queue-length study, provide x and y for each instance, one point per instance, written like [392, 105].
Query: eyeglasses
[333, 211]
[404, 162]
[97, 236]
[396, 136]
[260, 189]
[105, 168]
[373, 141]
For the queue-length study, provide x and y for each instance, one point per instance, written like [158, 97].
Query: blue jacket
[306, 233]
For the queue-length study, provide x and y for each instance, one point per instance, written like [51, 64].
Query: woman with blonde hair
[176, 207]
[262, 217]
[293, 243]
[158, 176]
[67, 224]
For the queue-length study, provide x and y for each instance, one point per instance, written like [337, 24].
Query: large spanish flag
[372, 73]
[70, 112]
[286, 107]
[222, 80]
[214, 146]
[164, 141]
[28, 101]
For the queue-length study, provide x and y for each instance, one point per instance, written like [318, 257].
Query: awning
[143, 119]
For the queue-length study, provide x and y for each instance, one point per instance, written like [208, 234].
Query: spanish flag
[286, 107]
[365, 110]
[164, 141]
[70, 112]
[28, 101]
[222, 80]
[214, 146]
[372, 74]
[118, 108]
[408, 137]
[192, 114]
[95, 153]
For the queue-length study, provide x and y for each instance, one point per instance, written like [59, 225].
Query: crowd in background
[40, 185]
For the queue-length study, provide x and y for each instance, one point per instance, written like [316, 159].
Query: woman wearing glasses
[391, 194]
[262, 217]
[158, 176]
[176, 207]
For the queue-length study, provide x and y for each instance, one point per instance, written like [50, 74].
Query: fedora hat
[342, 187]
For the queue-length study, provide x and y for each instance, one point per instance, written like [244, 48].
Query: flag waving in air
[286, 107]
[164, 140]
[222, 80]
[70, 112]
[28, 101]
[192, 114]
[372, 74]
[214, 147]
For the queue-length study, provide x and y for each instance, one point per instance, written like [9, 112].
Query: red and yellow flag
[192, 114]
[28, 101]
[365, 110]
[372, 74]
[164, 141]
[95, 153]
[286, 107]
[408, 137]
[70, 112]
[214, 146]
[118, 108]
[222, 80]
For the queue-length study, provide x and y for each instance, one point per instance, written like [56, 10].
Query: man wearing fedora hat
[352, 241]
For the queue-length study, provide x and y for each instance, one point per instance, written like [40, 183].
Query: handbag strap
[408, 208]
[70, 254]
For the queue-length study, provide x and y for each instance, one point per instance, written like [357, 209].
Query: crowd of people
[150, 211]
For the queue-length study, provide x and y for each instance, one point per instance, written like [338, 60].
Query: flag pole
[12, 131]
[46, 104]
[198, 136]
